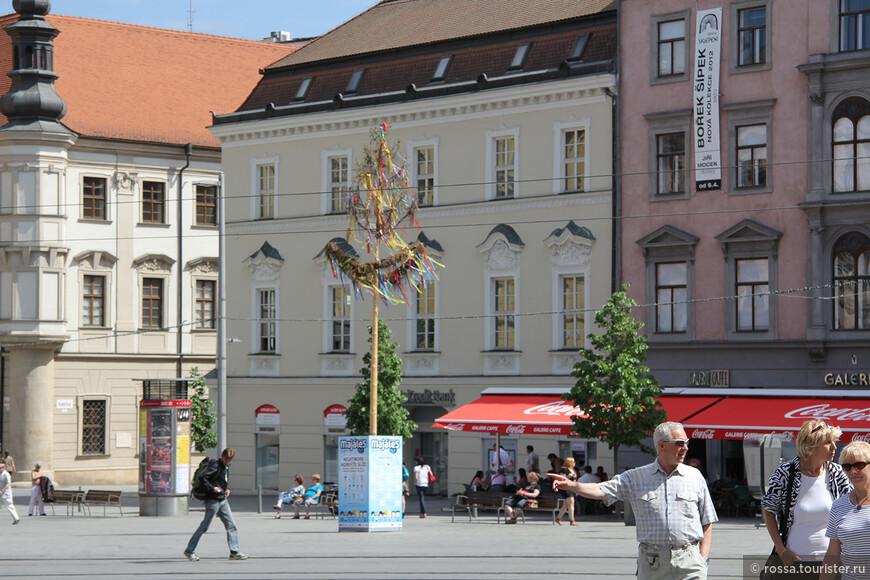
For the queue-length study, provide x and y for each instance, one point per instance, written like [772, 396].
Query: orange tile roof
[122, 81]
[392, 24]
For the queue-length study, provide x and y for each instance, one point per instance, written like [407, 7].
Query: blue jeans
[282, 499]
[221, 508]
[421, 497]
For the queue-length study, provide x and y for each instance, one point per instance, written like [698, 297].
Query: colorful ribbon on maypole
[379, 204]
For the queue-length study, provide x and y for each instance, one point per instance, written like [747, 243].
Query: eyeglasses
[859, 465]
[678, 442]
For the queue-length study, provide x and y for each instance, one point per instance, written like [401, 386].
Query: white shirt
[504, 459]
[532, 462]
[4, 481]
[806, 537]
[588, 478]
[421, 475]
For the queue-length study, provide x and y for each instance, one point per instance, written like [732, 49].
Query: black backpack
[200, 489]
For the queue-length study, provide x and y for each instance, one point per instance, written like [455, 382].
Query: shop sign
[267, 415]
[145, 403]
[847, 379]
[430, 397]
[712, 378]
[333, 416]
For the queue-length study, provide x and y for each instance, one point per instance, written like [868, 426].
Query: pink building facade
[763, 282]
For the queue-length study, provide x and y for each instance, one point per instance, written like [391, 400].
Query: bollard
[259, 498]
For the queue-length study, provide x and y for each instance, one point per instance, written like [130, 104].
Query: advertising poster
[143, 450]
[182, 447]
[160, 451]
[705, 107]
[370, 483]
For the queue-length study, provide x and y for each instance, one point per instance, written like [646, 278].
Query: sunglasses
[678, 442]
[821, 425]
[859, 465]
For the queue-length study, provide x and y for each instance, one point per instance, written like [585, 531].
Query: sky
[251, 19]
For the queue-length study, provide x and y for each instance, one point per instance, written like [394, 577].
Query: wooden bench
[101, 497]
[475, 501]
[68, 497]
[327, 507]
[546, 502]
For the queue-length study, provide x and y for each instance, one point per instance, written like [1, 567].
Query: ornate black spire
[32, 102]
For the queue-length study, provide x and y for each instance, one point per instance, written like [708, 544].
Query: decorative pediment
[571, 245]
[95, 260]
[153, 263]
[203, 265]
[667, 237]
[502, 248]
[433, 248]
[749, 231]
[265, 264]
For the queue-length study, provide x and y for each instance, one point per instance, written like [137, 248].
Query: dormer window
[355, 78]
[441, 69]
[520, 56]
[302, 92]
[579, 47]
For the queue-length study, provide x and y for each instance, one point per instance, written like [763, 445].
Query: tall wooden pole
[373, 383]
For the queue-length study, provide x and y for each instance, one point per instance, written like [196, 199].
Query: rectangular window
[266, 190]
[268, 328]
[672, 47]
[671, 295]
[574, 159]
[94, 427]
[751, 36]
[205, 304]
[753, 312]
[94, 198]
[671, 162]
[425, 319]
[504, 166]
[93, 300]
[441, 69]
[152, 303]
[153, 200]
[503, 289]
[340, 315]
[573, 317]
[520, 56]
[854, 24]
[752, 156]
[206, 205]
[339, 183]
[425, 173]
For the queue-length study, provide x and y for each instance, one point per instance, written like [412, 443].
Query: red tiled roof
[393, 24]
[122, 81]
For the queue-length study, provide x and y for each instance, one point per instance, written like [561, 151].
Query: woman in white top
[817, 483]
[849, 522]
[421, 478]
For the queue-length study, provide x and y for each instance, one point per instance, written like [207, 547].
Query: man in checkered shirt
[672, 507]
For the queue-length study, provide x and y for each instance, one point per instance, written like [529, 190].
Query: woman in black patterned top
[818, 481]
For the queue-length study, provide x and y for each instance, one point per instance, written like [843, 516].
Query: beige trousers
[666, 563]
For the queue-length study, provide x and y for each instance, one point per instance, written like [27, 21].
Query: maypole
[380, 202]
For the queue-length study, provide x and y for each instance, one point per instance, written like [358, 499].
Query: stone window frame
[257, 327]
[415, 316]
[412, 155]
[834, 33]
[94, 263]
[856, 141]
[107, 189]
[490, 179]
[559, 130]
[107, 440]
[739, 115]
[654, 21]
[669, 244]
[157, 266]
[831, 246]
[197, 204]
[750, 239]
[153, 204]
[662, 123]
[255, 206]
[328, 336]
[326, 180]
[734, 51]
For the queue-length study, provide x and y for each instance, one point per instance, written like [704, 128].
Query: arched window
[851, 145]
[851, 279]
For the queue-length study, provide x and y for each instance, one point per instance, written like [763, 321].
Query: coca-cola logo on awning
[554, 408]
[516, 429]
[705, 434]
[828, 413]
[865, 437]
[455, 426]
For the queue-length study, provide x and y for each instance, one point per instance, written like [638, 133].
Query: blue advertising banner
[370, 483]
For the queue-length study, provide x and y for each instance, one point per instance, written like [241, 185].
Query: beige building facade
[513, 177]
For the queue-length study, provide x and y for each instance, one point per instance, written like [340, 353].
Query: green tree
[613, 386]
[392, 416]
[202, 420]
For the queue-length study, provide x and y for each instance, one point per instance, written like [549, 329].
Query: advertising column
[164, 457]
[370, 484]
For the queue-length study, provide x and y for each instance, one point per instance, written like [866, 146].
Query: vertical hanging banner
[708, 39]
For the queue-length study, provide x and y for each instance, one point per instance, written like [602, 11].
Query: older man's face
[673, 450]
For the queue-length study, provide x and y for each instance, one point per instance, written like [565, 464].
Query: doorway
[267, 461]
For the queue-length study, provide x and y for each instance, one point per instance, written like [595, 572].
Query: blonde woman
[849, 522]
[816, 482]
[568, 503]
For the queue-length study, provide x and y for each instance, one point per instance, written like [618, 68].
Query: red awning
[538, 414]
[739, 417]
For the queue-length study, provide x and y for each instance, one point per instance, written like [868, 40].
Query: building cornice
[539, 96]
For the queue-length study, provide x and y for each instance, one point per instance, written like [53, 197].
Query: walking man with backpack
[212, 484]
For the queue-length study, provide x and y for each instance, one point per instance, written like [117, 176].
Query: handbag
[774, 561]
[531, 504]
[431, 476]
